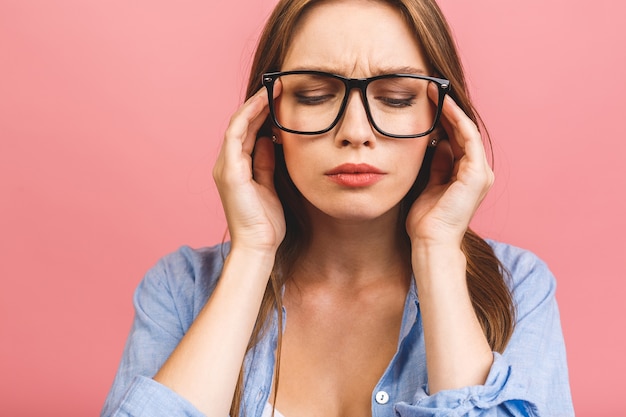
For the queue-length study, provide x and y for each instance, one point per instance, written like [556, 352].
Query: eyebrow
[400, 70]
[378, 71]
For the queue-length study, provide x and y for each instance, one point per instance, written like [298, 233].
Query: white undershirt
[267, 411]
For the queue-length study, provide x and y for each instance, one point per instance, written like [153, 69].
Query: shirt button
[382, 397]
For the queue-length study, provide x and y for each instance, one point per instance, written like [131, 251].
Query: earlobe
[275, 140]
[437, 136]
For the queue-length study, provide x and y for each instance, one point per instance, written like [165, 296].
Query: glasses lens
[400, 105]
[308, 102]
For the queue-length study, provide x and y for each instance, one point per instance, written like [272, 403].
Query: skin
[346, 297]
[386, 46]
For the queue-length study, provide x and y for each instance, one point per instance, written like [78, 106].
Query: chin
[354, 212]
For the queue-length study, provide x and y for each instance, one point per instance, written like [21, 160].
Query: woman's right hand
[205, 365]
[244, 175]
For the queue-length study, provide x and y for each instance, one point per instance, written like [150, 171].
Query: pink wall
[111, 113]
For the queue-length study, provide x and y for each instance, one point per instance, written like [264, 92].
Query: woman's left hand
[457, 351]
[459, 180]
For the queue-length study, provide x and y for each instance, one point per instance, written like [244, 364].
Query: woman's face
[353, 172]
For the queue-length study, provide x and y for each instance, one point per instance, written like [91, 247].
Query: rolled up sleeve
[165, 303]
[147, 398]
[530, 378]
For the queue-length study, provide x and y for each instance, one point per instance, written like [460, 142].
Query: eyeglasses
[313, 102]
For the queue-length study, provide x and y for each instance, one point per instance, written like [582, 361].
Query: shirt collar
[411, 310]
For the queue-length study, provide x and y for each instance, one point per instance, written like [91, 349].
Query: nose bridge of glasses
[361, 105]
[359, 116]
[359, 84]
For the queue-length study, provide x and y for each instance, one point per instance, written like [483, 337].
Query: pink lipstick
[355, 175]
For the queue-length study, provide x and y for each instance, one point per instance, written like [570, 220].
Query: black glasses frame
[270, 78]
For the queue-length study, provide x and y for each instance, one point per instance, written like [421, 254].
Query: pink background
[111, 114]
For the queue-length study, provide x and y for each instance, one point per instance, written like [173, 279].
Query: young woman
[352, 285]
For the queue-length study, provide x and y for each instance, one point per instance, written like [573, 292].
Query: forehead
[354, 38]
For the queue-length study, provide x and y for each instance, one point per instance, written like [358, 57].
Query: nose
[354, 128]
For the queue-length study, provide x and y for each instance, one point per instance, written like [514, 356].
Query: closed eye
[397, 102]
[313, 100]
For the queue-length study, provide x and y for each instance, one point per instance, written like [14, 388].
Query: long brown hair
[489, 293]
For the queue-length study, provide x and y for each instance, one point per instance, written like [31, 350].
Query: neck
[353, 253]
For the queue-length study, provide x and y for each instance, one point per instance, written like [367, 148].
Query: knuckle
[236, 126]
[491, 178]
[231, 130]
[218, 175]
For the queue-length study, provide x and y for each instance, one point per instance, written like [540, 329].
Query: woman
[352, 222]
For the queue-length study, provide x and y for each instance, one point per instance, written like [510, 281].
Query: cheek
[404, 159]
[410, 162]
[299, 160]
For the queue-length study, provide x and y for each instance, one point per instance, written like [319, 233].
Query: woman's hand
[457, 351]
[459, 180]
[205, 365]
[244, 175]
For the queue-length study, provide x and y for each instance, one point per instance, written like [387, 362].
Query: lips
[354, 169]
[355, 175]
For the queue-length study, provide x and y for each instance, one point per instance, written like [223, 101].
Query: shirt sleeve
[146, 397]
[164, 309]
[530, 378]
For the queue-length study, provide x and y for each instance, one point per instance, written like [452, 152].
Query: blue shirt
[530, 378]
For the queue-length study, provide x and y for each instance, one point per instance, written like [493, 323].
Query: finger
[278, 88]
[471, 165]
[263, 162]
[232, 163]
[256, 124]
[464, 136]
[444, 129]
[246, 122]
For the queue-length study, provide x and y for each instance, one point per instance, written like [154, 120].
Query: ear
[276, 136]
[437, 136]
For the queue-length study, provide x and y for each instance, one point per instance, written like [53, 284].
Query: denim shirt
[529, 378]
